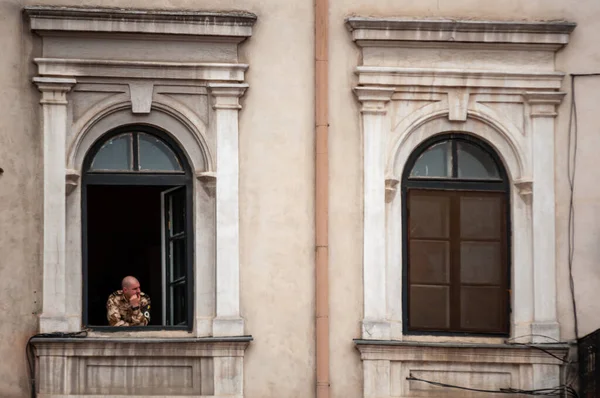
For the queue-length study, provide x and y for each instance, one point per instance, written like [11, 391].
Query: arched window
[456, 234]
[137, 220]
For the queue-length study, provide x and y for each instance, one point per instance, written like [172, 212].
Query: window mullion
[136, 152]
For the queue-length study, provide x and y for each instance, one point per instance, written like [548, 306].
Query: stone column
[542, 111]
[228, 321]
[373, 112]
[54, 109]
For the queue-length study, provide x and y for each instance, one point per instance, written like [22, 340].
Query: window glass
[436, 161]
[456, 261]
[430, 307]
[156, 155]
[481, 308]
[115, 154]
[475, 163]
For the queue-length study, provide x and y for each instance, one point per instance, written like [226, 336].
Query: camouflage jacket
[120, 313]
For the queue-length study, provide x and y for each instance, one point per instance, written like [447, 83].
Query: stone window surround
[454, 94]
[216, 262]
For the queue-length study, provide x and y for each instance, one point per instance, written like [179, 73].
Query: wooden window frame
[455, 187]
[173, 178]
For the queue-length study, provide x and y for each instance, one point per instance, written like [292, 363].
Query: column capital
[54, 89]
[374, 99]
[543, 103]
[227, 95]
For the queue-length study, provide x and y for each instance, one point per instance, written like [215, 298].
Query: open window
[456, 229]
[137, 220]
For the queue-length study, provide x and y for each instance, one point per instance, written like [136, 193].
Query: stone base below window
[388, 366]
[136, 367]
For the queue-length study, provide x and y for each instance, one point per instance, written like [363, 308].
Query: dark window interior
[456, 232]
[137, 220]
[124, 238]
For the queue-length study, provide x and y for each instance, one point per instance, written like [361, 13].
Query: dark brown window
[456, 238]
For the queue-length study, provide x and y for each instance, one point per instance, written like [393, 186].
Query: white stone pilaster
[373, 113]
[542, 109]
[54, 108]
[228, 321]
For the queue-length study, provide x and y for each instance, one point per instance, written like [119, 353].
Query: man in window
[129, 306]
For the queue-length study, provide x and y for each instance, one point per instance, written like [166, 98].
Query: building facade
[183, 143]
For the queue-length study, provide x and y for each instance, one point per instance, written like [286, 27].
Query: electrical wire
[30, 353]
[537, 347]
[508, 341]
[571, 168]
[549, 392]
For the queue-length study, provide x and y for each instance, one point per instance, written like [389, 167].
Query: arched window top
[455, 157]
[135, 151]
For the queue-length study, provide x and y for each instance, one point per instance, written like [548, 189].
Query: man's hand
[134, 300]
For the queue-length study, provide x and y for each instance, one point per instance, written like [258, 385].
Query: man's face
[133, 288]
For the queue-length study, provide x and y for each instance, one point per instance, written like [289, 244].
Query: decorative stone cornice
[374, 99]
[145, 69]
[54, 89]
[428, 77]
[226, 95]
[367, 31]
[232, 26]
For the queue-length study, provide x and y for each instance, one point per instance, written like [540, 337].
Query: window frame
[454, 184]
[108, 177]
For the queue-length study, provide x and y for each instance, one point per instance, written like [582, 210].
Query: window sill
[561, 347]
[122, 366]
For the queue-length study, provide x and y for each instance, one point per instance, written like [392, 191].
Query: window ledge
[461, 352]
[140, 367]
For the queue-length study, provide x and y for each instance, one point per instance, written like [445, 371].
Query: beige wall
[277, 183]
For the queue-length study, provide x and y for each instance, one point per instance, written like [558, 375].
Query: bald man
[129, 306]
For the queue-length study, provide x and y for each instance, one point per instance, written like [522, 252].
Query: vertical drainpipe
[321, 197]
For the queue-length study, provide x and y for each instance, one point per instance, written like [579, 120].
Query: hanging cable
[549, 392]
[571, 169]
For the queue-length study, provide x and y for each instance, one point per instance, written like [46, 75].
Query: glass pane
[481, 262]
[481, 308]
[115, 154]
[436, 161]
[429, 307]
[178, 304]
[429, 261]
[156, 155]
[429, 216]
[481, 217]
[178, 211]
[177, 259]
[475, 163]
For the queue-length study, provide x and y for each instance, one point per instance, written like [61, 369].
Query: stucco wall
[276, 183]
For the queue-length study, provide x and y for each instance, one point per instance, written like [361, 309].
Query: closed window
[456, 229]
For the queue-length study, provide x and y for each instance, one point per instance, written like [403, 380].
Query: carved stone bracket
[208, 179]
[391, 186]
[525, 188]
[71, 181]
